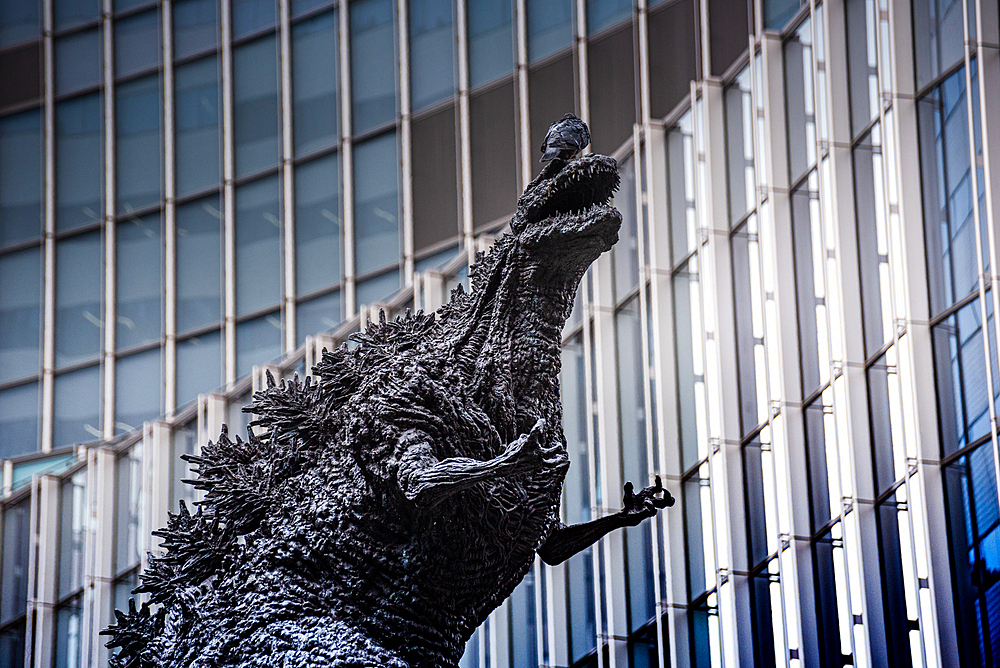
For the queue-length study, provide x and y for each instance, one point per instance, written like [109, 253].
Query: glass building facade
[796, 329]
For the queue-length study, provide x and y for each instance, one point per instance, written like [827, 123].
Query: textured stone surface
[381, 509]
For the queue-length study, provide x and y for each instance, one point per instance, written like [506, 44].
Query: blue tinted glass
[69, 623]
[256, 126]
[19, 420]
[138, 380]
[139, 144]
[491, 40]
[79, 162]
[320, 314]
[318, 228]
[257, 341]
[78, 61]
[550, 26]
[300, 7]
[963, 396]
[79, 276]
[69, 13]
[20, 313]
[139, 278]
[258, 245]
[432, 47]
[20, 177]
[939, 37]
[576, 414]
[314, 83]
[626, 251]
[199, 366]
[137, 43]
[582, 611]
[15, 562]
[123, 5]
[128, 493]
[778, 12]
[199, 264]
[195, 27]
[378, 289]
[437, 260]
[376, 208]
[20, 20]
[77, 407]
[604, 13]
[249, 16]
[197, 124]
[373, 64]
[524, 630]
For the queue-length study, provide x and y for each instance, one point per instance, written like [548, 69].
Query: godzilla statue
[377, 514]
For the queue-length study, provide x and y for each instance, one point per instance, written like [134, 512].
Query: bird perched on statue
[565, 139]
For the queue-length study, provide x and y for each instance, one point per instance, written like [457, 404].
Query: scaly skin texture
[386, 508]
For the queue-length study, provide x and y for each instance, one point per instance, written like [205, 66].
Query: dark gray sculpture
[378, 514]
[565, 139]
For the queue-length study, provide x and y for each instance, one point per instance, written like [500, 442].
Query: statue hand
[529, 452]
[638, 507]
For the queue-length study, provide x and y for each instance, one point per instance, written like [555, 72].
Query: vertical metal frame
[464, 141]
[347, 160]
[405, 141]
[228, 196]
[110, 310]
[49, 244]
[290, 329]
[169, 214]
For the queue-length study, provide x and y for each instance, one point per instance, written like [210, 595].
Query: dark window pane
[125, 5]
[258, 245]
[778, 12]
[873, 244]
[673, 55]
[300, 7]
[378, 289]
[828, 626]
[128, 506]
[199, 264]
[693, 536]
[862, 61]
[19, 420]
[604, 13]
[77, 407]
[199, 366]
[197, 125]
[318, 228]
[524, 624]
[491, 40]
[753, 475]
[183, 443]
[20, 20]
[79, 281]
[550, 27]
[79, 162]
[494, 154]
[315, 71]
[256, 124]
[729, 26]
[881, 426]
[893, 588]
[435, 182]
[16, 531]
[552, 94]
[689, 365]
[139, 278]
[257, 342]
[938, 37]
[580, 595]
[320, 314]
[195, 26]
[72, 527]
[249, 16]
[432, 46]
[20, 177]
[373, 64]
[20, 313]
[625, 253]
[22, 75]
[69, 624]
[376, 207]
[139, 148]
[739, 147]
[137, 43]
[138, 380]
[612, 103]
[576, 415]
[78, 61]
[805, 224]
[70, 13]
[799, 92]
[816, 454]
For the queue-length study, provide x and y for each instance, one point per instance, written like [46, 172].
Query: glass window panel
[19, 420]
[137, 43]
[800, 108]
[315, 70]
[199, 366]
[824, 557]
[693, 536]
[77, 407]
[183, 442]
[79, 162]
[129, 502]
[550, 27]
[778, 12]
[235, 417]
[69, 630]
[939, 39]
[613, 103]
[20, 314]
[256, 110]
[378, 289]
[195, 27]
[889, 516]
[69, 13]
[491, 40]
[753, 475]
[22, 68]
[432, 47]
[435, 196]
[125, 5]
[674, 54]
[20, 20]
[625, 253]
[690, 374]
[300, 7]
[199, 264]
[808, 284]
[680, 189]
[862, 61]
[258, 245]
[14, 592]
[376, 206]
[523, 627]
[139, 144]
[576, 415]
[881, 426]
[138, 380]
[250, 16]
[257, 341]
[320, 314]
[739, 147]
[581, 605]
[72, 525]
[318, 226]
[20, 177]
[139, 278]
[604, 13]
[550, 89]
[819, 489]
[78, 61]
[196, 110]
[373, 64]
[79, 317]
[12, 645]
[493, 142]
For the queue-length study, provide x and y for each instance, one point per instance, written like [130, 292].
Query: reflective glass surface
[14, 592]
[378, 289]
[78, 61]
[250, 16]
[580, 601]
[20, 314]
[432, 46]
[125, 5]
[139, 143]
[69, 13]
[20, 177]
[183, 442]
[373, 64]
[318, 226]
[256, 111]
[77, 407]
[680, 189]
[491, 40]
[258, 245]
[19, 420]
[376, 208]
[129, 502]
[196, 95]
[939, 37]
[195, 26]
[137, 43]
[79, 162]
[257, 341]
[778, 12]
[199, 264]
[69, 633]
[862, 61]
[809, 287]
[138, 381]
[315, 71]
[199, 366]
[800, 102]
[72, 524]
[139, 278]
[524, 630]
[689, 360]
[319, 314]
[79, 281]
[739, 147]
[576, 415]
[604, 13]
[19, 21]
[300, 7]
[626, 252]
[550, 26]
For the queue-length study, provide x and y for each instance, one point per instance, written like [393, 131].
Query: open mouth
[574, 189]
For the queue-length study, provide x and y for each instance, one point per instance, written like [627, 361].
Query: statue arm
[565, 541]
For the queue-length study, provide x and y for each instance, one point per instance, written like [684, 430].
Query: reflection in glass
[77, 407]
[14, 589]
[581, 605]
[524, 629]
[79, 274]
[550, 27]
[373, 64]
[748, 293]
[183, 442]
[378, 289]
[625, 253]
[78, 61]
[680, 188]
[138, 380]
[197, 125]
[250, 16]
[138, 144]
[19, 21]
[690, 363]
[129, 502]
[195, 27]
[315, 69]
[255, 100]
[604, 13]
[862, 61]
[139, 278]
[801, 109]
[376, 208]
[257, 341]
[778, 12]
[19, 420]
[20, 314]
[300, 7]
[576, 415]
[70, 13]
[320, 314]
[491, 40]
[939, 40]
[20, 177]
[739, 147]
[68, 636]
[810, 287]
[137, 43]
[199, 366]
[79, 162]
[432, 46]
[72, 524]
[199, 264]
[318, 226]
[258, 245]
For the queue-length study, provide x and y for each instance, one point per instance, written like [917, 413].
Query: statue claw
[637, 507]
